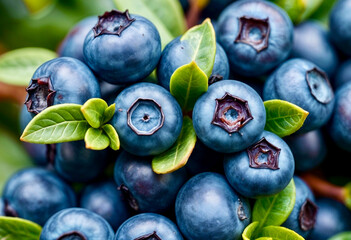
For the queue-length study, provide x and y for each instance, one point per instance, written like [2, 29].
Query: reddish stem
[193, 13]
[323, 188]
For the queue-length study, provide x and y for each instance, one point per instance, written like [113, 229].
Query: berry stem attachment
[323, 188]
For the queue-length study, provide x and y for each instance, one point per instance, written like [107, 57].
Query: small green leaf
[187, 84]
[13, 156]
[166, 15]
[341, 236]
[17, 66]
[347, 190]
[279, 233]
[178, 155]
[283, 118]
[109, 112]
[96, 139]
[12, 228]
[94, 111]
[58, 123]
[274, 210]
[113, 136]
[249, 230]
[299, 10]
[202, 39]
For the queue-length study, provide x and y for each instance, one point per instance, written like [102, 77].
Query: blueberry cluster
[82, 194]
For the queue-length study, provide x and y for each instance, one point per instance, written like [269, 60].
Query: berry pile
[201, 154]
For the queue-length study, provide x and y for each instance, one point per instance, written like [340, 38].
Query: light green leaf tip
[94, 111]
[202, 40]
[249, 230]
[113, 136]
[12, 228]
[279, 233]
[178, 155]
[342, 236]
[347, 193]
[56, 124]
[109, 112]
[96, 139]
[187, 84]
[283, 118]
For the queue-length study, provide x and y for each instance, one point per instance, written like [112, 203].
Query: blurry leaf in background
[47, 28]
[13, 157]
[322, 13]
[18, 66]
[167, 15]
[299, 10]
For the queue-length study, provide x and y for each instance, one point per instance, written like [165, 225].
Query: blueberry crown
[113, 23]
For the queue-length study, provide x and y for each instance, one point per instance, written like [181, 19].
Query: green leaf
[322, 13]
[178, 155]
[17, 66]
[299, 10]
[249, 230]
[187, 84]
[109, 112]
[12, 228]
[274, 210]
[279, 233]
[96, 139]
[13, 156]
[341, 236]
[166, 15]
[202, 39]
[264, 238]
[58, 123]
[283, 118]
[347, 194]
[113, 136]
[94, 111]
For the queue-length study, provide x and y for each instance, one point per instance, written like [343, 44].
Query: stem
[323, 188]
[13, 93]
[193, 13]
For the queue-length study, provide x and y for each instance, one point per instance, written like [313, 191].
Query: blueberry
[148, 119]
[76, 224]
[72, 44]
[303, 216]
[311, 42]
[343, 74]
[36, 194]
[122, 48]
[2, 207]
[208, 208]
[265, 168]
[37, 152]
[61, 80]
[309, 149]
[256, 35]
[148, 226]
[339, 126]
[332, 218]
[145, 190]
[76, 163]
[178, 53]
[104, 199]
[340, 25]
[229, 117]
[302, 83]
